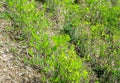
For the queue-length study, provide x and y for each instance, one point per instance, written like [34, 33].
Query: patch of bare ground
[12, 67]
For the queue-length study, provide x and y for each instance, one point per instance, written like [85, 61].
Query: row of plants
[93, 27]
[54, 56]
[94, 30]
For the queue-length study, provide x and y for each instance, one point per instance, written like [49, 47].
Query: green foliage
[26, 19]
[94, 36]
[54, 56]
[58, 62]
[68, 64]
[90, 36]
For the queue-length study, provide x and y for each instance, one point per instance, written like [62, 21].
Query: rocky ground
[12, 67]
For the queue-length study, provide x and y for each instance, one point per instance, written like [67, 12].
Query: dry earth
[12, 67]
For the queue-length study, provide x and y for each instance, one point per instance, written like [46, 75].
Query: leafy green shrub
[58, 62]
[26, 18]
[68, 64]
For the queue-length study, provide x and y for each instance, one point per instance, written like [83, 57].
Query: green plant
[68, 64]
[58, 62]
